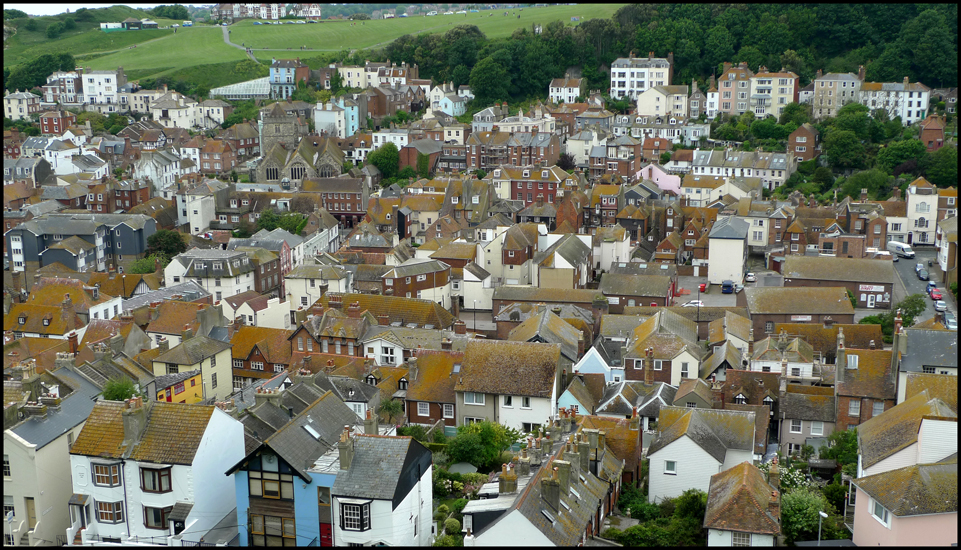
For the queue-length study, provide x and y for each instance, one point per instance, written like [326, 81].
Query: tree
[490, 81]
[665, 157]
[799, 513]
[120, 389]
[390, 408]
[691, 504]
[842, 446]
[69, 24]
[873, 180]
[844, 150]
[31, 25]
[824, 177]
[269, 219]
[941, 167]
[796, 113]
[167, 242]
[148, 264]
[55, 30]
[718, 46]
[175, 12]
[566, 161]
[336, 82]
[792, 61]
[900, 152]
[481, 443]
[292, 222]
[14, 14]
[386, 158]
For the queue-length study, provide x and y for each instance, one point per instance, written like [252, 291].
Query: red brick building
[258, 352]
[865, 384]
[804, 143]
[217, 157]
[932, 132]
[488, 150]
[55, 123]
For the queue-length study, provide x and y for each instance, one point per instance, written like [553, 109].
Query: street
[909, 283]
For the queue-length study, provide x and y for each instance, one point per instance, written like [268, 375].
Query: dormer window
[402, 384]
[527, 173]
[453, 200]
[22, 319]
[740, 399]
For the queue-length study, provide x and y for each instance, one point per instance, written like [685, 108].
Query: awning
[180, 511]
[78, 499]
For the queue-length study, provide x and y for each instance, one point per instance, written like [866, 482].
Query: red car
[935, 294]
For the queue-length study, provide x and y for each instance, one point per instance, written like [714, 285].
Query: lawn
[337, 35]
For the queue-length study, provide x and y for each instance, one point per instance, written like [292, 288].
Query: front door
[871, 299]
[31, 513]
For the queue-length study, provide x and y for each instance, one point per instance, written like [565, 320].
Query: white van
[900, 249]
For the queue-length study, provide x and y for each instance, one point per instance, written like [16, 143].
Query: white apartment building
[102, 88]
[20, 105]
[922, 212]
[772, 91]
[330, 119]
[663, 100]
[566, 89]
[630, 76]
[223, 273]
[899, 99]
[833, 91]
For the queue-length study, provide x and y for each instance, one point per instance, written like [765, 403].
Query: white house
[152, 472]
[581, 143]
[330, 119]
[223, 273]
[727, 250]
[36, 459]
[478, 289]
[383, 492]
[611, 244]
[566, 90]
[630, 76]
[101, 89]
[705, 443]
[922, 212]
[268, 312]
[197, 205]
[160, 167]
[398, 136]
[663, 100]
[304, 284]
[899, 99]
[511, 383]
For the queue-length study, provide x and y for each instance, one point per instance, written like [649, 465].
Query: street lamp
[475, 315]
[821, 516]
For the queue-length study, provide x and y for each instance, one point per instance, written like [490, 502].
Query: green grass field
[161, 52]
[337, 35]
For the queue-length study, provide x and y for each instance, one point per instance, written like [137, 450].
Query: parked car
[694, 303]
[923, 275]
[940, 305]
[727, 287]
[257, 23]
[931, 286]
[936, 294]
[918, 267]
[750, 277]
[738, 287]
[950, 321]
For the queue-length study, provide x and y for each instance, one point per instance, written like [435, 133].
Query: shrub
[691, 504]
[451, 526]
[474, 478]
[667, 507]
[459, 505]
[443, 509]
[449, 540]
[439, 516]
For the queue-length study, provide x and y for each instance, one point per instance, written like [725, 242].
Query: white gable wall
[510, 530]
[694, 470]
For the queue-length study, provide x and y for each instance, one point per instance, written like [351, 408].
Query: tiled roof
[740, 499]
[615, 284]
[49, 291]
[193, 351]
[713, 430]
[942, 386]
[518, 293]
[435, 377]
[509, 368]
[838, 269]
[549, 328]
[730, 324]
[798, 300]
[762, 423]
[376, 466]
[621, 439]
[897, 428]
[461, 251]
[824, 340]
[172, 434]
[920, 489]
[273, 343]
[173, 315]
[120, 284]
[59, 321]
[727, 352]
[872, 378]
[705, 314]
[694, 386]
[753, 385]
[404, 310]
[815, 403]
[773, 348]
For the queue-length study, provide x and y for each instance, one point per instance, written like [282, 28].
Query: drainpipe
[123, 479]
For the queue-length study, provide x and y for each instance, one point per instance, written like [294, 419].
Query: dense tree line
[26, 76]
[175, 12]
[891, 40]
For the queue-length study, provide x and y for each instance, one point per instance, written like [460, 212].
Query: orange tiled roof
[272, 343]
[435, 379]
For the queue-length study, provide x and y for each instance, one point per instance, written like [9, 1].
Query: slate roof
[73, 411]
[727, 352]
[520, 293]
[897, 428]
[824, 340]
[399, 309]
[416, 266]
[691, 313]
[838, 269]
[729, 228]
[713, 430]
[509, 368]
[916, 490]
[172, 434]
[375, 467]
[620, 438]
[193, 351]
[669, 334]
[731, 324]
[740, 499]
[188, 289]
[694, 386]
[798, 300]
[929, 348]
[165, 381]
[569, 247]
[814, 403]
[613, 284]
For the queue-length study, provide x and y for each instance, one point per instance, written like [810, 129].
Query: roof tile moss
[273, 343]
[740, 499]
[435, 379]
[915, 490]
[942, 386]
[509, 368]
[897, 428]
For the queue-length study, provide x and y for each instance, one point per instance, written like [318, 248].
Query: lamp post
[821, 516]
[475, 315]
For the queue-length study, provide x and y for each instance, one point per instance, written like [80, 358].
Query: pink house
[657, 174]
[912, 506]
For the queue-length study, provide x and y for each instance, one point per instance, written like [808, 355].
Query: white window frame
[448, 411]
[796, 428]
[423, 408]
[670, 467]
[817, 428]
[885, 517]
[474, 398]
[854, 407]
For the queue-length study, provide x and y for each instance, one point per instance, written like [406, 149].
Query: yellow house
[183, 387]
[211, 357]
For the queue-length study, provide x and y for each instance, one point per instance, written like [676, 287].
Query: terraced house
[223, 273]
[136, 466]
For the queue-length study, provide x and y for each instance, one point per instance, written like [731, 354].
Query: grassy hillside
[337, 35]
[85, 38]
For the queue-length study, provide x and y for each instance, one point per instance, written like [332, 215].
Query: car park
[936, 294]
[923, 275]
[750, 277]
[940, 305]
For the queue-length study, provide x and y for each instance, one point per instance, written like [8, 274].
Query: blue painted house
[280, 501]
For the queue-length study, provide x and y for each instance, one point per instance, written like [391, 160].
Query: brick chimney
[412, 369]
[897, 193]
[154, 310]
[635, 424]
[446, 344]
[905, 81]
[383, 320]
[335, 301]
[163, 345]
[864, 194]
[507, 481]
[67, 306]
[861, 73]
[774, 476]
[563, 476]
[72, 342]
[346, 448]
[460, 327]
[135, 415]
[187, 333]
[353, 310]
[648, 366]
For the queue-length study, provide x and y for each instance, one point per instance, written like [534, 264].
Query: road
[908, 283]
[226, 31]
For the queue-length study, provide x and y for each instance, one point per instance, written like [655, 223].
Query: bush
[449, 540]
[459, 505]
[667, 507]
[55, 30]
[439, 516]
[451, 526]
[691, 504]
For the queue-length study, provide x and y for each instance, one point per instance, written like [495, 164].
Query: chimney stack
[507, 482]
[370, 424]
[72, 342]
[774, 476]
[563, 476]
[163, 344]
[551, 489]
[353, 310]
[187, 333]
[905, 81]
[383, 320]
[346, 448]
[460, 327]
[524, 463]
[584, 452]
[412, 369]
[446, 344]
[649, 366]
[134, 414]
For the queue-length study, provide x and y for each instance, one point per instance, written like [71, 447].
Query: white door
[871, 300]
